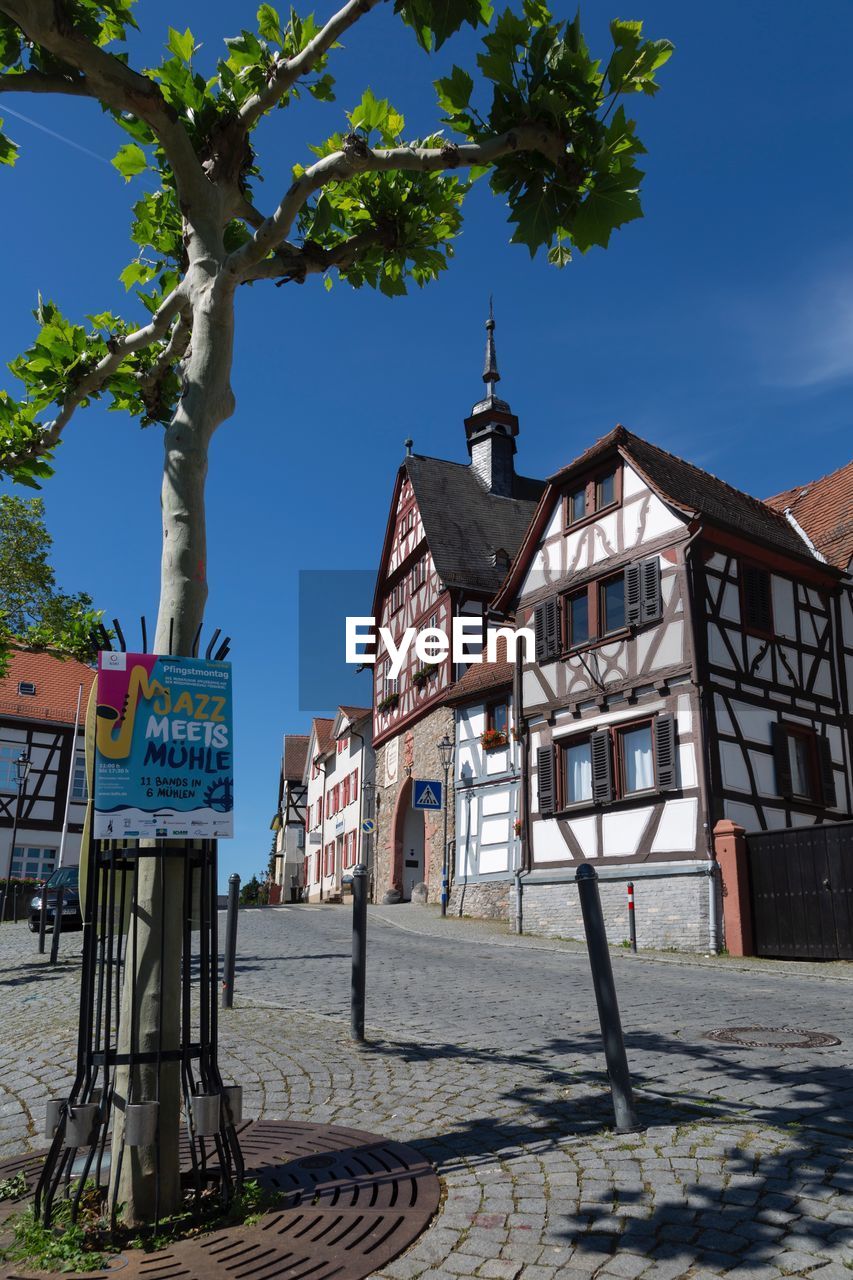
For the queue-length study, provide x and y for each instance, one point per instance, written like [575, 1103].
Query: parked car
[72, 916]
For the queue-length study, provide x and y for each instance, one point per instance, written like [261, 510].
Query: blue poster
[164, 749]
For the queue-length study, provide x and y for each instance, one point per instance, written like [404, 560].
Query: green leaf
[137, 272]
[130, 160]
[269, 24]
[8, 149]
[434, 21]
[182, 46]
[536, 214]
[454, 91]
[613, 201]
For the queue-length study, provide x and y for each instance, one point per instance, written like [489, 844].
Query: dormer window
[26, 689]
[598, 492]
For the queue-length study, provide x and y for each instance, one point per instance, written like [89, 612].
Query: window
[418, 573]
[601, 608]
[804, 766]
[576, 615]
[407, 523]
[577, 773]
[611, 605]
[599, 492]
[389, 684]
[756, 602]
[346, 791]
[605, 490]
[317, 866]
[32, 863]
[8, 779]
[497, 717]
[608, 765]
[343, 743]
[26, 689]
[636, 759]
[354, 785]
[78, 783]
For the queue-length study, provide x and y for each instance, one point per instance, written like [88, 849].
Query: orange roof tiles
[57, 681]
[824, 509]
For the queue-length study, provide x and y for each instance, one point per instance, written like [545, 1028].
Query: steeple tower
[492, 427]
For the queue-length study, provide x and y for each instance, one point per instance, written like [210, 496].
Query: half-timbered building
[290, 816]
[487, 785]
[39, 699]
[339, 760]
[320, 745]
[452, 531]
[686, 670]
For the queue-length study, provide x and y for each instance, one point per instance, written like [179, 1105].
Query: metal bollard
[359, 950]
[57, 925]
[605, 998]
[15, 905]
[632, 922]
[230, 942]
[43, 918]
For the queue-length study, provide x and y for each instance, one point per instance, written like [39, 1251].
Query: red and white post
[632, 921]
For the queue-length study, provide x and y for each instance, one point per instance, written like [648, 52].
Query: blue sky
[720, 326]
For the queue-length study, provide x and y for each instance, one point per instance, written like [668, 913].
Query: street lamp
[445, 755]
[23, 764]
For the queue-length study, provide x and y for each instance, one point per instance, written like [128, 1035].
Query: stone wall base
[491, 900]
[670, 911]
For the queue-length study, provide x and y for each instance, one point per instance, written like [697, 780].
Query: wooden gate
[802, 891]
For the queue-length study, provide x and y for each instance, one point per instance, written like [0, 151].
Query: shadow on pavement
[785, 1159]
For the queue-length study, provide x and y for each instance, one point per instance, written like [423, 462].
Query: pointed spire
[490, 367]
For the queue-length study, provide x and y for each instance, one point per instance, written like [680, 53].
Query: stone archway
[408, 843]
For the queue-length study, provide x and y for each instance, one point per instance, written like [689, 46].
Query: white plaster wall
[677, 830]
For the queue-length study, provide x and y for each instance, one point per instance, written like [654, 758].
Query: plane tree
[537, 116]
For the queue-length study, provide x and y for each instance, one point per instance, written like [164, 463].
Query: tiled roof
[824, 509]
[295, 752]
[465, 525]
[356, 713]
[323, 734]
[696, 492]
[483, 678]
[57, 681]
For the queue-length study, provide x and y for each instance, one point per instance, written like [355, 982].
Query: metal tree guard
[80, 1125]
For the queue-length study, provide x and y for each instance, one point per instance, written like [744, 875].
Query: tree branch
[37, 82]
[118, 86]
[292, 263]
[95, 378]
[288, 72]
[174, 350]
[356, 157]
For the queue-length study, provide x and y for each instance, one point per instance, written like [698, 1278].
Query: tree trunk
[206, 401]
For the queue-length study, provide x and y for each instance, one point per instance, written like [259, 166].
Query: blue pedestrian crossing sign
[426, 795]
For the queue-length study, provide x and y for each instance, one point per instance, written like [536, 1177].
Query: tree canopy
[33, 611]
[539, 114]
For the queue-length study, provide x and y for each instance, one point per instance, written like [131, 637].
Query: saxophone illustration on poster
[164, 758]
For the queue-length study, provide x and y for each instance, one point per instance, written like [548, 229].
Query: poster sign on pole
[164, 748]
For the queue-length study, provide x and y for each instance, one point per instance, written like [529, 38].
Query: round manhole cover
[772, 1037]
[349, 1202]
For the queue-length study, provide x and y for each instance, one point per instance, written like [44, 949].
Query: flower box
[493, 739]
[388, 703]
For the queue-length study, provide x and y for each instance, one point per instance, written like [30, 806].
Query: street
[484, 1052]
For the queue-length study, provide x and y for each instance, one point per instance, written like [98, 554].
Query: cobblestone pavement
[484, 1052]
